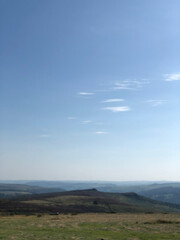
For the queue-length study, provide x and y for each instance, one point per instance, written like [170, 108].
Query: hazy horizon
[89, 90]
[71, 180]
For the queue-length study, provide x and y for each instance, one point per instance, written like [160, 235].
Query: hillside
[12, 190]
[84, 201]
[165, 194]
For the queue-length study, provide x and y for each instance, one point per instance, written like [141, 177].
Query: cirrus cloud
[85, 93]
[44, 136]
[86, 122]
[118, 109]
[72, 118]
[101, 132]
[113, 100]
[156, 103]
[172, 77]
[130, 84]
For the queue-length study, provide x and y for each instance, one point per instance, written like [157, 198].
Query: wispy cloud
[86, 122]
[156, 103]
[118, 109]
[72, 118]
[101, 132]
[43, 136]
[123, 86]
[130, 84]
[86, 93]
[113, 100]
[172, 77]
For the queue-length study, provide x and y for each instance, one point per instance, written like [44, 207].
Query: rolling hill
[164, 194]
[85, 201]
[161, 191]
[12, 190]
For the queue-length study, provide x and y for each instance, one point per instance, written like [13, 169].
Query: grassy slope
[92, 227]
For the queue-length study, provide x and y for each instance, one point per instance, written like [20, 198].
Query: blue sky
[89, 90]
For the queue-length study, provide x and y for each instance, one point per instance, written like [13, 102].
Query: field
[92, 226]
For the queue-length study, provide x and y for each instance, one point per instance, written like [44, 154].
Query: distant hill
[85, 201]
[165, 194]
[162, 191]
[12, 190]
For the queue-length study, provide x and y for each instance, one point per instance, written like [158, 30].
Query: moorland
[39, 213]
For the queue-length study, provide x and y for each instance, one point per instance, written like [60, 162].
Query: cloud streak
[86, 122]
[85, 93]
[113, 100]
[43, 136]
[118, 109]
[100, 132]
[172, 77]
[72, 118]
[130, 84]
[156, 103]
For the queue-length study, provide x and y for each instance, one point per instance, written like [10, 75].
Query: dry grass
[91, 227]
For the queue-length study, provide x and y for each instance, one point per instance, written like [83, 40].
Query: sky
[89, 90]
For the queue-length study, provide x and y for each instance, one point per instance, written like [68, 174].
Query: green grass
[91, 227]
